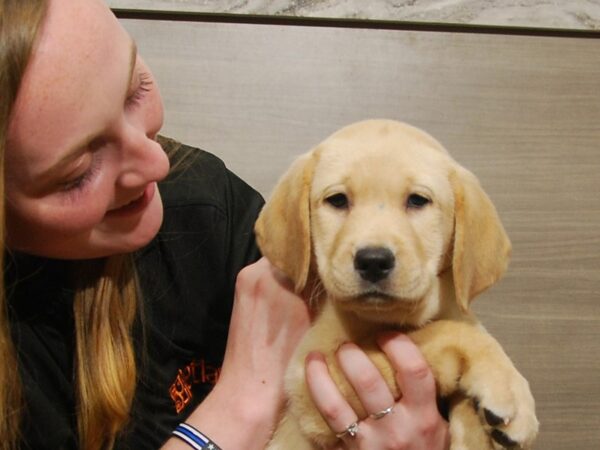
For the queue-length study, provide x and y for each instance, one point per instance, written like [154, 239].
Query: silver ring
[351, 429]
[382, 413]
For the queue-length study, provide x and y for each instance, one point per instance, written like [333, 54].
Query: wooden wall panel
[522, 112]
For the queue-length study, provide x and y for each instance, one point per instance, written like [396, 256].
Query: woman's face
[82, 161]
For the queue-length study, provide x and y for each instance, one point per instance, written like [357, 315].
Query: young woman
[119, 308]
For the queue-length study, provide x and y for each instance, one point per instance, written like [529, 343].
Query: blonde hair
[104, 311]
[106, 290]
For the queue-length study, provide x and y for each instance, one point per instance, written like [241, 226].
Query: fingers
[329, 401]
[365, 378]
[413, 374]
[411, 423]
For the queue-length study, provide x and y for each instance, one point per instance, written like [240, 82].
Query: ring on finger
[350, 430]
[384, 412]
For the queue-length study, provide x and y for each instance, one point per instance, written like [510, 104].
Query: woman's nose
[142, 159]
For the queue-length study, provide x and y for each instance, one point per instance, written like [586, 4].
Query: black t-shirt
[187, 275]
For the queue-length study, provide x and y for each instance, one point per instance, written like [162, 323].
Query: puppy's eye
[417, 201]
[338, 201]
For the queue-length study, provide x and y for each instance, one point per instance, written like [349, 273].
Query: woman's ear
[481, 247]
[283, 226]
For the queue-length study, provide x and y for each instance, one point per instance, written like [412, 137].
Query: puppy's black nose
[374, 263]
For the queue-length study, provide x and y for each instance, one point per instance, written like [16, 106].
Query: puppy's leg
[466, 430]
[464, 358]
[325, 336]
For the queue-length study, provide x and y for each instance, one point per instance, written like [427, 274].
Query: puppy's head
[377, 212]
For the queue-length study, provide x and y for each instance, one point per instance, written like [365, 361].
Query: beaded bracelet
[194, 438]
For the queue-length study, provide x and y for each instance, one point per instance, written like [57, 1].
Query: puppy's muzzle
[374, 264]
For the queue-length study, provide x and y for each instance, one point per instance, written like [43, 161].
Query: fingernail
[344, 345]
[386, 336]
[314, 356]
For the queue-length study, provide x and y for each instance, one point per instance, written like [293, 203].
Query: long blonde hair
[104, 311]
[106, 290]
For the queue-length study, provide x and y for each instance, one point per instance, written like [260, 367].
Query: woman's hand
[412, 423]
[267, 323]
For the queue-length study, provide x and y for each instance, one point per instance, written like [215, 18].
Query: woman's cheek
[77, 219]
[81, 211]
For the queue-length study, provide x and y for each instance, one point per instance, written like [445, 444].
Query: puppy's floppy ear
[481, 247]
[283, 226]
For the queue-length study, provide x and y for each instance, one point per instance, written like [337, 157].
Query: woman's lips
[136, 205]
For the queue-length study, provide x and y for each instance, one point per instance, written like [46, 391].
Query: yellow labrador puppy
[381, 229]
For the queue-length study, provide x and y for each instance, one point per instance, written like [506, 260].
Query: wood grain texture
[522, 112]
[572, 14]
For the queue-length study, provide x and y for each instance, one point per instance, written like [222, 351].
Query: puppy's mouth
[379, 300]
[376, 297]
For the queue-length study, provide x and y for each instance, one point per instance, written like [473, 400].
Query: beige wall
[523, 112]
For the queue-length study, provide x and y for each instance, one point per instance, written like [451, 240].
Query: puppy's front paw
[505, 404]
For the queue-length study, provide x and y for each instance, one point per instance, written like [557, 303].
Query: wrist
[237, 418]
[194, 438]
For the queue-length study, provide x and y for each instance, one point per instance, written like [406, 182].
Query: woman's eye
[338, 201]
[81, 181]
[144, 86]
[417, 201]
